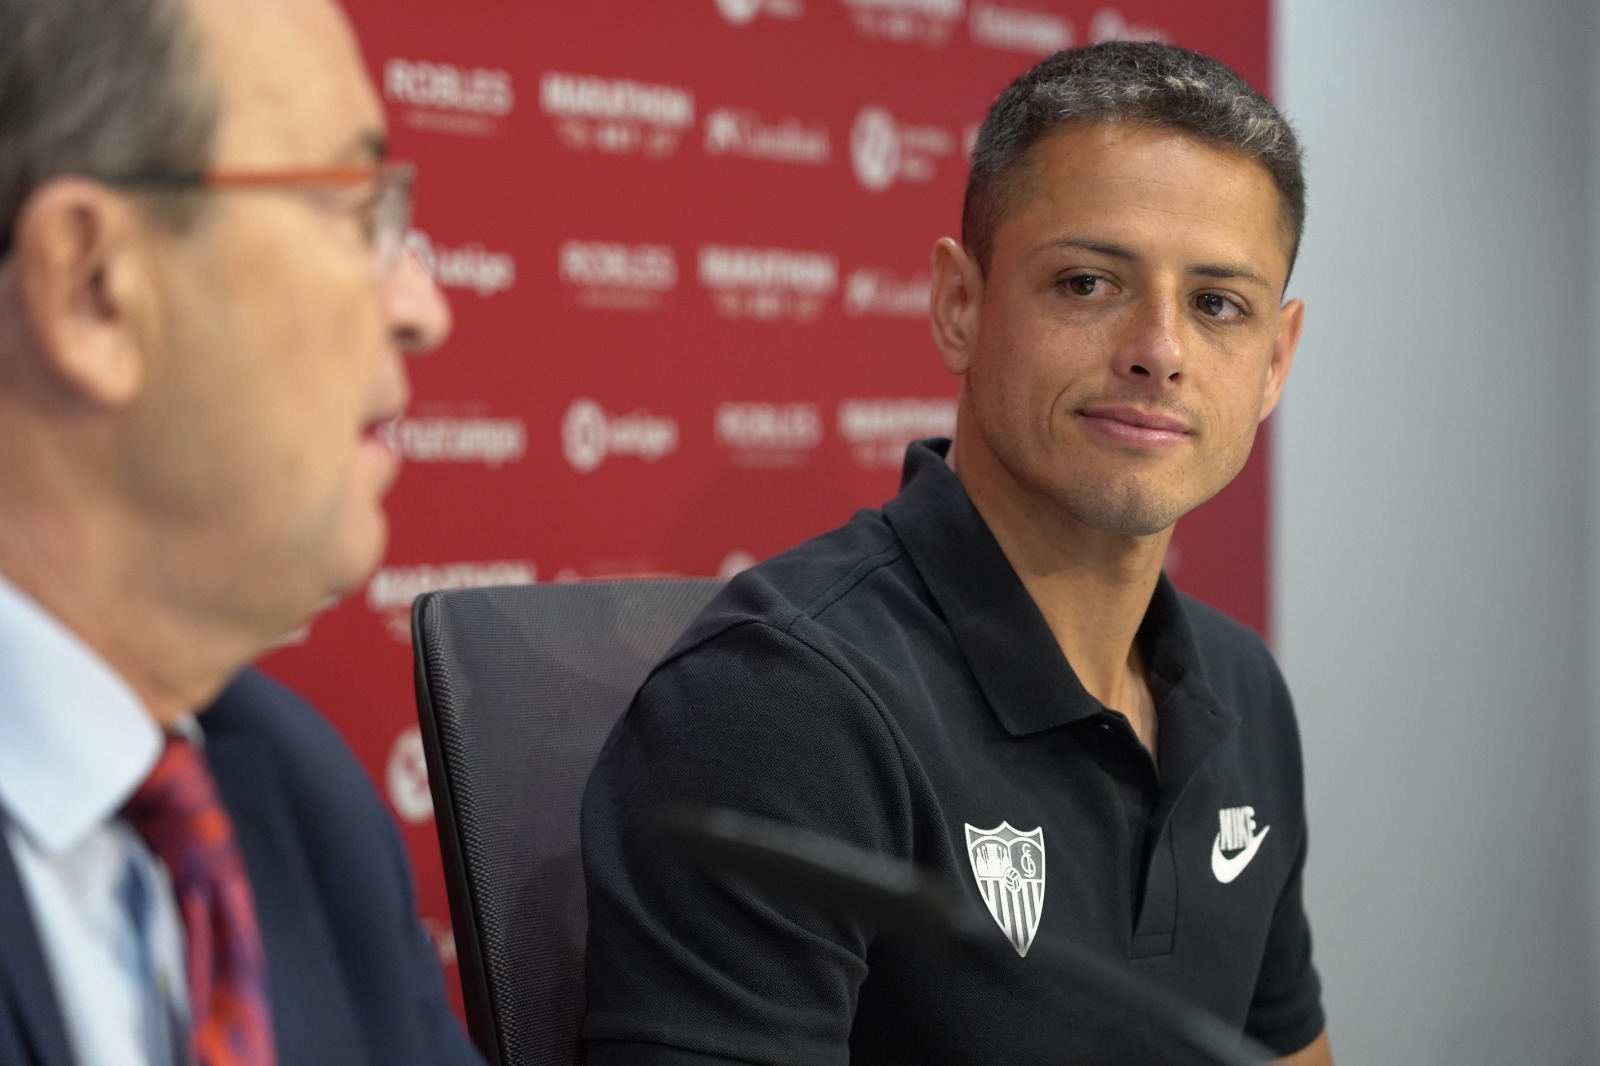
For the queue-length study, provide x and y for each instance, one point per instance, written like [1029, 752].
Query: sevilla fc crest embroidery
[1009, 867]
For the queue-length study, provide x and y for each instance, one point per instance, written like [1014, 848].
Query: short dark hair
[1139, 81]
[100, 87]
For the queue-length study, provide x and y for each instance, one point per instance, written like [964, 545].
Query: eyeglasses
[382, 203]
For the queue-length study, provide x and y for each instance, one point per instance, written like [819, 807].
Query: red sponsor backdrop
[686, 245]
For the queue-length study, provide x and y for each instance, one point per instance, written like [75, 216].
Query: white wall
[1434, 481]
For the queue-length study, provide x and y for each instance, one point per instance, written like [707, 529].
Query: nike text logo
[1238, 834]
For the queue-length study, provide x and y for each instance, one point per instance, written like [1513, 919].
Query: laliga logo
[884, 150]
[473, 268]
[875, 148]
[739, 12]
[743, 12]
[407, 778]
[589, 436]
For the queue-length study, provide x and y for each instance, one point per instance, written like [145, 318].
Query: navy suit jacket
[353, 980]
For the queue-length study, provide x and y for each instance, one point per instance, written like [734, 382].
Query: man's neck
[174, 669]
[1092, 587]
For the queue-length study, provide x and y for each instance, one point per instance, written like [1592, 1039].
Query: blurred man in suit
[991, 677]
[204, 309]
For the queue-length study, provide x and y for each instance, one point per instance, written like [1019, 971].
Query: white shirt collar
[75, 740]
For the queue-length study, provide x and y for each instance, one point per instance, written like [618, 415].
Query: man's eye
[1218, 306]
[1083, 284]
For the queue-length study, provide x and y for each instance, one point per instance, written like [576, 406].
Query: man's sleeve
[1286, 1010]
[687, 966]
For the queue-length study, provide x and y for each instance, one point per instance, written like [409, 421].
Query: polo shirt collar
[1001, 632]
[75, 740]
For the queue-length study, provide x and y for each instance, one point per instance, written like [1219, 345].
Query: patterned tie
[178, 814]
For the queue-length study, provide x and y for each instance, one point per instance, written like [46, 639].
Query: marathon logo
[746, 134]
[1033, 32]
[589, 436]
[614, 115]
[877, 431]
[472, 268]
[447, 98]
[879, 293]
[490, 441]
[1109, 25]
[926, 22]
[618, 276]
[883, 151]
[767, 434]
[767, 283]
[391, 590]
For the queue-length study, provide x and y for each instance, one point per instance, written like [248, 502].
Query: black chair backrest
[517, 688]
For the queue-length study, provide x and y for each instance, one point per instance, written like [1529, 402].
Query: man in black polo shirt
[990, 677]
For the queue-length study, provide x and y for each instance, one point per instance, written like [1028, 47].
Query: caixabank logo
[925, 22]
[448, 98]
[742, 133]
[1018, 29]
[590, 435]
[767, 284]
[879, 293]
[616, 115]
[391, 589]
[878, 430]
[884, 150]
[767, 434]
[744, 12]
[614, 276]
[470, 267]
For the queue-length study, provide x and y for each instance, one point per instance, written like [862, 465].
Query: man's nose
[1152, 348]
[418, 315]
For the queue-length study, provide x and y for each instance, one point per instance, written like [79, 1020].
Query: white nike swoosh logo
[1227, 869]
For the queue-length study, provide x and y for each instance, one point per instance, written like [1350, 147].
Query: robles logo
[745, 133]
[616, 115]
[618, 276]
[883, 150]
[742, 12]
[767, 434]
[589, 436]
[767, 283]
[391, 590]
[878, 431]
[881, 293]
[1034, 32]
[926, 22]
[471, 267]
[448, 98]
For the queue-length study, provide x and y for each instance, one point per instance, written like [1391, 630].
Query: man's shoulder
[322, 782]
[817, 589]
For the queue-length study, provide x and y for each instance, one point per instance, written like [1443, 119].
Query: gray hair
[1141, 81]
[100, 87]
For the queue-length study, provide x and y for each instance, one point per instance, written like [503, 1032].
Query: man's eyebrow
[1089, 244]
[1229, 272]
[367, 146]
[1220, 271]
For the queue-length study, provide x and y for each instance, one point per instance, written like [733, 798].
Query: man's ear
[1291, 318]
[83, 285]
[955, 303]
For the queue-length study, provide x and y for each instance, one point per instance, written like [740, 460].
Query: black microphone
[902, 898]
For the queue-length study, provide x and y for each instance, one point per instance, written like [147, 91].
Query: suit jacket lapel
[25, 987]
[313, 1016]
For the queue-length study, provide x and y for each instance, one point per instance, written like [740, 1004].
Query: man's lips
[1137, 425]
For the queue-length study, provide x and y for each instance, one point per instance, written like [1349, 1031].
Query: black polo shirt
[892, 684]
